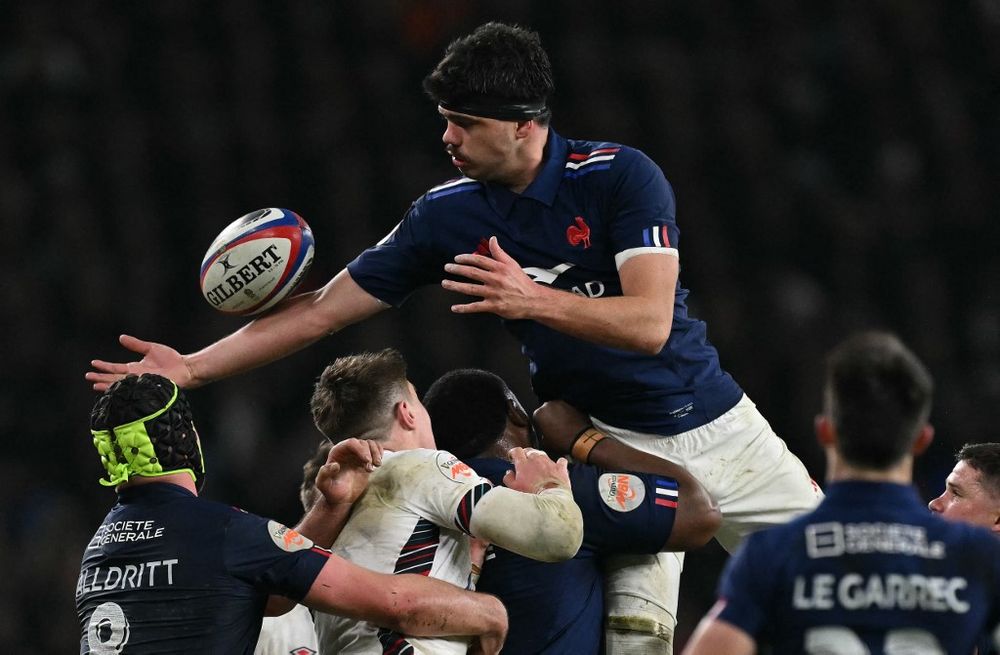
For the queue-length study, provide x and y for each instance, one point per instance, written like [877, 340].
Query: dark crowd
[835, 166]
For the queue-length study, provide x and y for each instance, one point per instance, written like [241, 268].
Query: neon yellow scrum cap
[127, 450]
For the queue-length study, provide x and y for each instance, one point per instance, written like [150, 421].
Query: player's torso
[565, 245]
[570, 242]
[389, 531]
[552, 607]
[153, 577]
[861, 582]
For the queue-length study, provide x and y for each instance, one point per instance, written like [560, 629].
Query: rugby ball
[256, 261]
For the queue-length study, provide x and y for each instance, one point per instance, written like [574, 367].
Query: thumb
[498, 253]
[508, 478]
[327, 471]
[135, 345]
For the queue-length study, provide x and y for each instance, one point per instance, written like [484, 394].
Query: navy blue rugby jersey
[558, 608]
[591, 207]
[871, 568]
[170, 572]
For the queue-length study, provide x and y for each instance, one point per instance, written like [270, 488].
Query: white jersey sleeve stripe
[628, 254]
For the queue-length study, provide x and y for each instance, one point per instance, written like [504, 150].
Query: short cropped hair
[468, 410]
[355, 396]
[310, 470]
[498, 61]
[878, 396]
[985, 458]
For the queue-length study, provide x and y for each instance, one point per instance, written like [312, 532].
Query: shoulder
[440, 465]
[585, 155]
[968, 537]
[454, 190]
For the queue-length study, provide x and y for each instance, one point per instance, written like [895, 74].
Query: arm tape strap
[584, 443]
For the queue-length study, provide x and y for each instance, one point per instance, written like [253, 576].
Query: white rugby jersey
[413, 518]
[292, 632]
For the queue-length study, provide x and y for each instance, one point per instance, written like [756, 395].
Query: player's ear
[825, 434]
[524, 128]
[923, 439]
[516, 414]
[405, 415]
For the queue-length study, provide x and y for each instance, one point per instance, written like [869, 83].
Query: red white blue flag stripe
[666, 492]
[656, 236]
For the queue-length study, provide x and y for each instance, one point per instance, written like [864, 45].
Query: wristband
[585, 442]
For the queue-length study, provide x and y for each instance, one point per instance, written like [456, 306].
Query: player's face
[964, 498]
[484, 149]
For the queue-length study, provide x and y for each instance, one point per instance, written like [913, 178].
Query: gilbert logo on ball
[256, 261]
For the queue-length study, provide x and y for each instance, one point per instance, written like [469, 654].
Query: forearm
[446, 609]
[410, 604]
[625, 322]
[639, 320]
[323, 522]
[291, 326]
[548, 526]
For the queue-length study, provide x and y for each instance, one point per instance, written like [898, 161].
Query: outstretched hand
[156, 358]
[505, 289]
[344, 477]
[534, 471]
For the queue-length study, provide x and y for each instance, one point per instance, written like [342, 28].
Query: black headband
[498, 108]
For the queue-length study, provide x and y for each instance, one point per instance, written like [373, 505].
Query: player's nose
[451, 136]
[935, 505]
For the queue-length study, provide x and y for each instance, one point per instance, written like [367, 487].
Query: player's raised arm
[409, 604]
[549, 525]
[339, 482]
[565, 430]
[293, 325]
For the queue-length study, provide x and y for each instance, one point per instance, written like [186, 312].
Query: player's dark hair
[878, 395]
[307, 493]
[499, 62]
[172, 433]
[355, 396]
[985, 458]
[468, 410]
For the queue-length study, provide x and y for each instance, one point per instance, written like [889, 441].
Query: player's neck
[839, 470]
[401, 440]
[183, 480]
[534, 155]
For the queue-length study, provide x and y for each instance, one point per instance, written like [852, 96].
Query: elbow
[700, 525]
[706, 525]
[564, 542]
[651, 341]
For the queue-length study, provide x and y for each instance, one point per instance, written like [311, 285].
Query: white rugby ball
[256, 261]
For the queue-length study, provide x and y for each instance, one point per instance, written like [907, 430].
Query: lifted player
[574, 244]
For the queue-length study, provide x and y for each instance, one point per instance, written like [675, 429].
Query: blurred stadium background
[835, 164]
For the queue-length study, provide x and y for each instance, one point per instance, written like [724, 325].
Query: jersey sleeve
[446, 490]
[624, 512]
[642, 208]
[401, 262]
[271, 556]
[746, 587]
